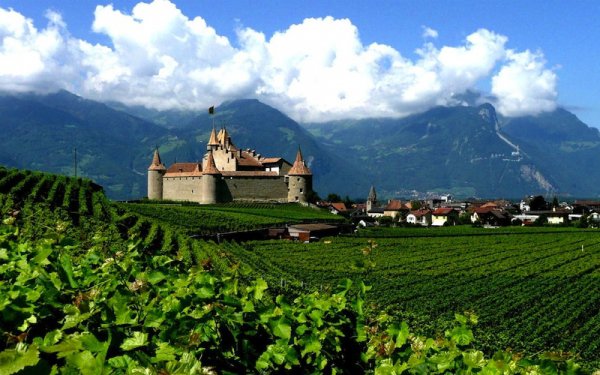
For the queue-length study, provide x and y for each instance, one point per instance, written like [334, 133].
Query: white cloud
[428, 32]
[316, 70]
[32, 59]
[523, 86]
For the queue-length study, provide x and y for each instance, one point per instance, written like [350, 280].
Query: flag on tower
[211, 110]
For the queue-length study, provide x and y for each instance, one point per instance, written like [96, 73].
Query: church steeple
[372, 199]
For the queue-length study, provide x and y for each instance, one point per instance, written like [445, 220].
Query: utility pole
[75, 161]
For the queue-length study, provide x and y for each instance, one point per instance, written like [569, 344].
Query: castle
[228, 174]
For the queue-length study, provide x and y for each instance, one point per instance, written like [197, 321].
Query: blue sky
[531, 55]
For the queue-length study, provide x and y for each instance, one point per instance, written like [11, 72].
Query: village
[445, 211]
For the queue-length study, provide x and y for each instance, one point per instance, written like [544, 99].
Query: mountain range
[468, 151]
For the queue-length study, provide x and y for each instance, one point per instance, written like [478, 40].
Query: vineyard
[203, 220]
[88, 286]
[532, 289]
[22, 190]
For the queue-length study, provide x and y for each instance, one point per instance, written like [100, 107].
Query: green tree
[538, 203]
[333, 197]
[416, 205]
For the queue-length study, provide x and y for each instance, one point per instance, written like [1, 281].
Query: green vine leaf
[15, 360]
[139, 339]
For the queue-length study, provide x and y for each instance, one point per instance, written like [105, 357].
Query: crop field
[21, 189]
[533, 290]
[228, 217]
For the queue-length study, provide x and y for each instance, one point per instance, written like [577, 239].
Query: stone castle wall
[182, 188]
[229, 189]
[258, 188]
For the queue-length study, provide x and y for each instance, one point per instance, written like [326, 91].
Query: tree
[333, 197]
[540, 221]
[555, 203]
[465, 218]
[538, 203]
[416, 205]
[312, 196]
[348, 202]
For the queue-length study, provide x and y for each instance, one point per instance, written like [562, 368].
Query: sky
[314, 60]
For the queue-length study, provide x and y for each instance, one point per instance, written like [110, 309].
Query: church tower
[299, 180]
[156, 171]
[210, 181]
[372, 199]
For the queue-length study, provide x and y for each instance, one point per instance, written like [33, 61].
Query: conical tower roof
[210, 167]
[372, 194]
[299, 168]
[223, 136]
[212, 141]
[156, 164]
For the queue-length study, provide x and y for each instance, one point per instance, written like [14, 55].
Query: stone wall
[236, 188]
[182, 188]
[224, 160]
[253, 188]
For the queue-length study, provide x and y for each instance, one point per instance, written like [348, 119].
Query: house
[554, 217]
[395, 209]
[490, 216]
[444, 216]
[375, 212]
[337, 208]
[419, 217]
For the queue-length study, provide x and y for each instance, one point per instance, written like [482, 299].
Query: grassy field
[533, 288]
[228, 217]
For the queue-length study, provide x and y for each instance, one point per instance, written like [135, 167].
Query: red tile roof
[212, 141]
[299, 168]
[156, 164]
[247, 160]
[249, 174]
[210, 168]
[395, 205]
[420, 213]
[443, 211]
[184, 170]
[340, 206]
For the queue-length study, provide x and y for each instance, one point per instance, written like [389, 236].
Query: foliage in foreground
[117, 307]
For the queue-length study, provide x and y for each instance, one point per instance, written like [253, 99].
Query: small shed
[304, 232]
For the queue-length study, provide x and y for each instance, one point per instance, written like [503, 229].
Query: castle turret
[156, 171]
[299, 180]
[213, 143]
[371, 199]
[210, 180]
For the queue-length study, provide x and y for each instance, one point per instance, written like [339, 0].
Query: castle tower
[371, 199]
[299, 180]
[156, 171]
[210, 180]
[213, 143]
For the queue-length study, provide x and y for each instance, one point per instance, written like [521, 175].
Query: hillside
[41, 132]
[466, 150]
[469, 152]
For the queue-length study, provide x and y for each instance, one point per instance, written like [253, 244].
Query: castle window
[298, 179]
[301, 190]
